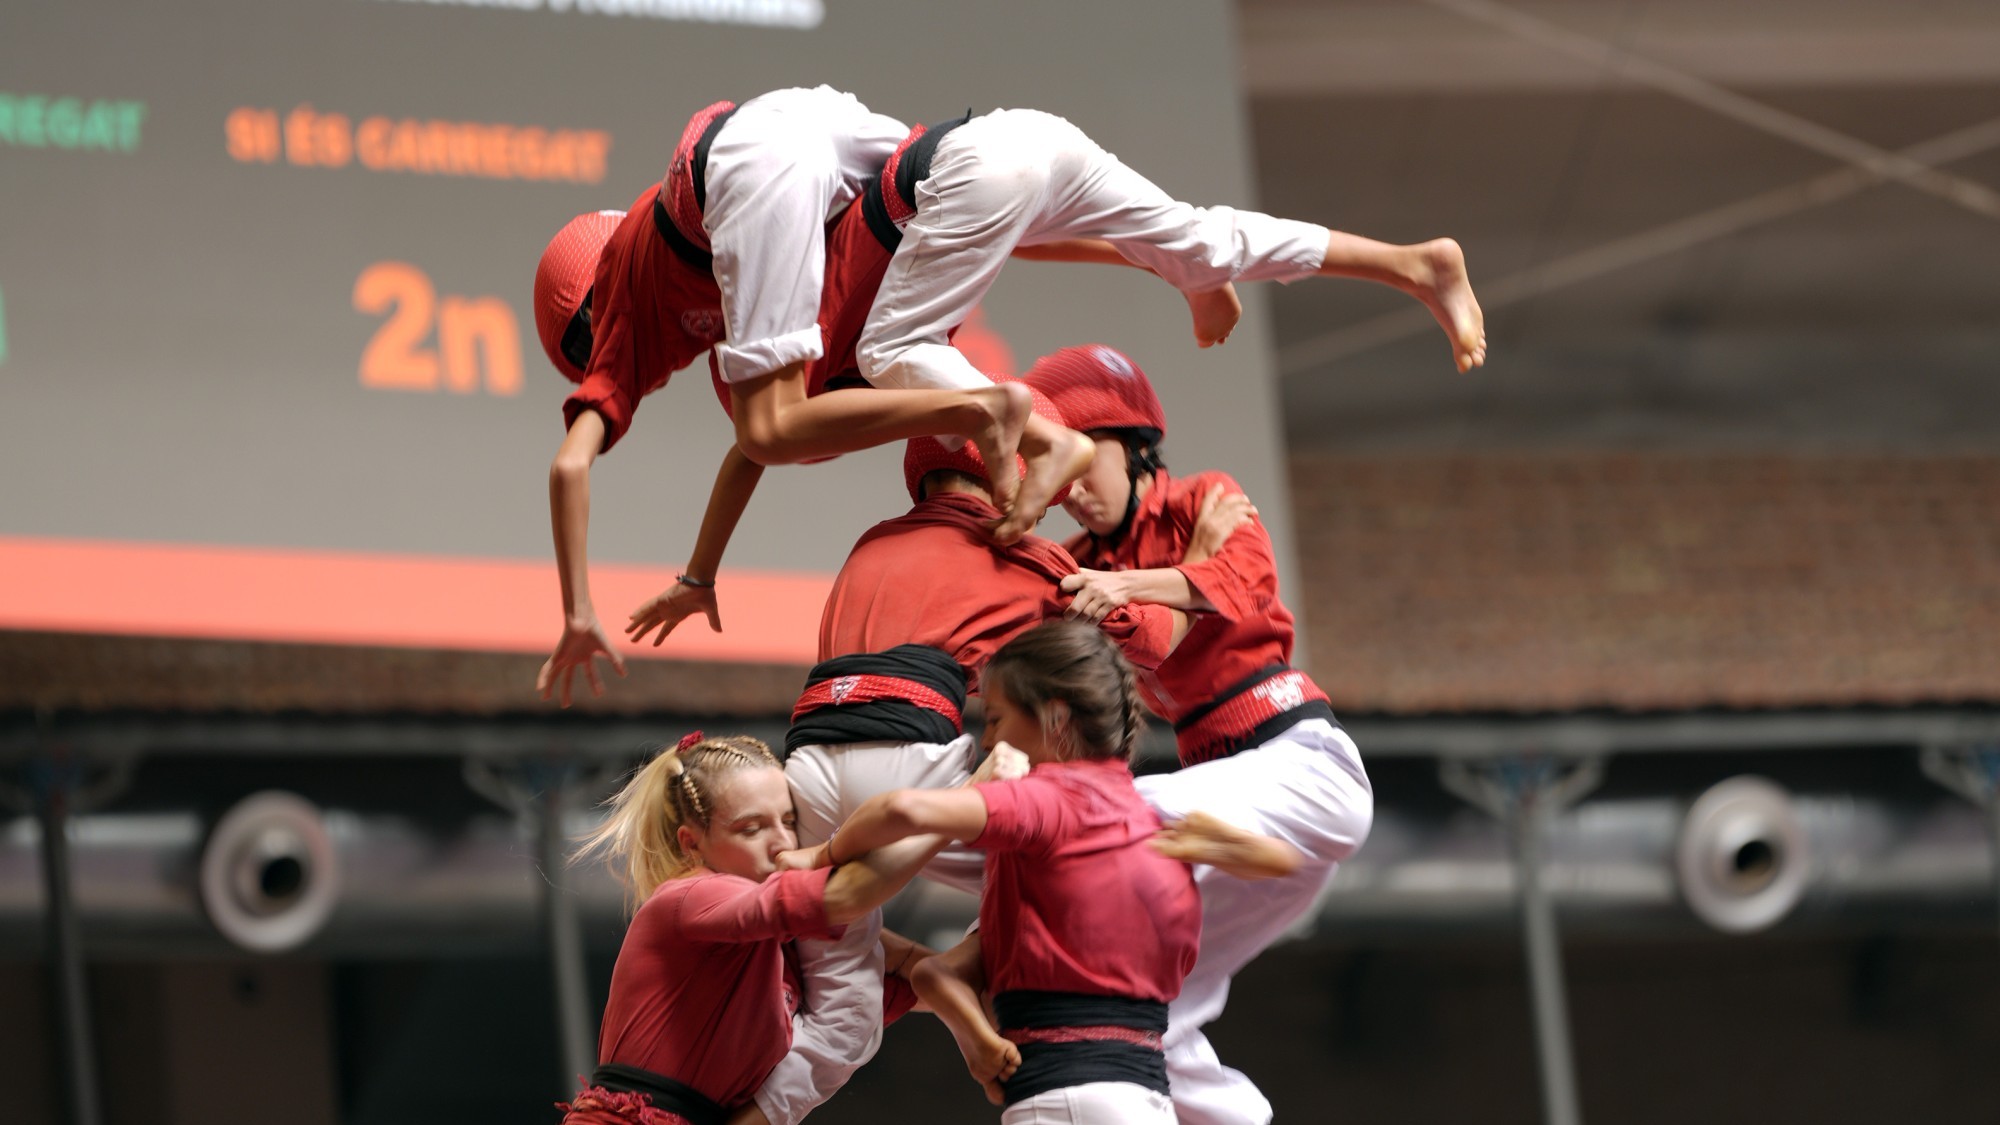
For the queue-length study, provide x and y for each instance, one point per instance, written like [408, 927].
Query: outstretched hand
[583, 644]
[669, 608]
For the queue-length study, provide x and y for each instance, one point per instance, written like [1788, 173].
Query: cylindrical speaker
[1741, 858]
[269, 876]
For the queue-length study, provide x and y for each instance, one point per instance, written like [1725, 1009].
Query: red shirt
[706, 984]
[1250, 628]
[935, 577]
[1075, 900]
[651, 314]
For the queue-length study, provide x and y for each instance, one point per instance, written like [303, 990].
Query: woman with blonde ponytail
[705, 988]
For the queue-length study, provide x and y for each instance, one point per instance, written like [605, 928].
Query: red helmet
[562, 280]
[927, 455]
[1098, 387]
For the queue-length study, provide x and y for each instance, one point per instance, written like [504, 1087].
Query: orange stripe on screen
[400, 601]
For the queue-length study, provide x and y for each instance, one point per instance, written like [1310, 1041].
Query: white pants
[1305, 787]
[1017, 177]
[779, 170]
[839, 1026]
[1093, 1103]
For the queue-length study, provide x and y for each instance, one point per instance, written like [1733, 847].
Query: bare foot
[1008, 407]
[1055, 458]
[1216, 312]
[1441, 284]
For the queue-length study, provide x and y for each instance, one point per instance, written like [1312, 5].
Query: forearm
[864, 883]
[735, 482]
[1165, 586]
[1090, 251]
[569, 512]
[884, 819]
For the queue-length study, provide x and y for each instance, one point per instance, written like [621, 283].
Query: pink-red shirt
[1075, 900]
[706, 983]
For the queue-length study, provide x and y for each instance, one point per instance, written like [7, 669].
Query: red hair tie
[688, 740]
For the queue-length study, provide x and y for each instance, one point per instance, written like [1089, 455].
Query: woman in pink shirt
[1089, 918]
[706, 983]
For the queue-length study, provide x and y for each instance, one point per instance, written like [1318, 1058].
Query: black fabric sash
[667, 1094]
[698, 166]
[883, 720]
[915, 167]
[1033, 1008]
[911, 169]
[683, 249]
[876, 213]
[1055, 1066]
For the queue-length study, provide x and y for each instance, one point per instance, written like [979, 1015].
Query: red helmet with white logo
[926, 455]
[1098, 387]
[562, 283]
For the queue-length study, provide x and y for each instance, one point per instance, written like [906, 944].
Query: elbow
[903, 813]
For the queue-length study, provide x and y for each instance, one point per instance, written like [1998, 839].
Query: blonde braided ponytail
[641, 836]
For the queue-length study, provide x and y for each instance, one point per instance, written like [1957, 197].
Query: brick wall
[1657, 582]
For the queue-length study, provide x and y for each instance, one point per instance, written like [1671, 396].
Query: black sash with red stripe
[1069, 1039]
[1249, 713]
[910, 693]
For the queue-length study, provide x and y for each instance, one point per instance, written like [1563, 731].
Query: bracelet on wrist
[697, 583]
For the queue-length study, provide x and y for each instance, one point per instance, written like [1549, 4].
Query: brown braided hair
[1075, 664]
[641, 836]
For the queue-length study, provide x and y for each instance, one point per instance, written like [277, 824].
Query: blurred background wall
[1688, 597]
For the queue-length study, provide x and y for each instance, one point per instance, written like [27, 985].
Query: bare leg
[1433, 272]
[777, 424]
[1056, 455]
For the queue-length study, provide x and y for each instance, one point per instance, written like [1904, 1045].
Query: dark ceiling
[1695, 225]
